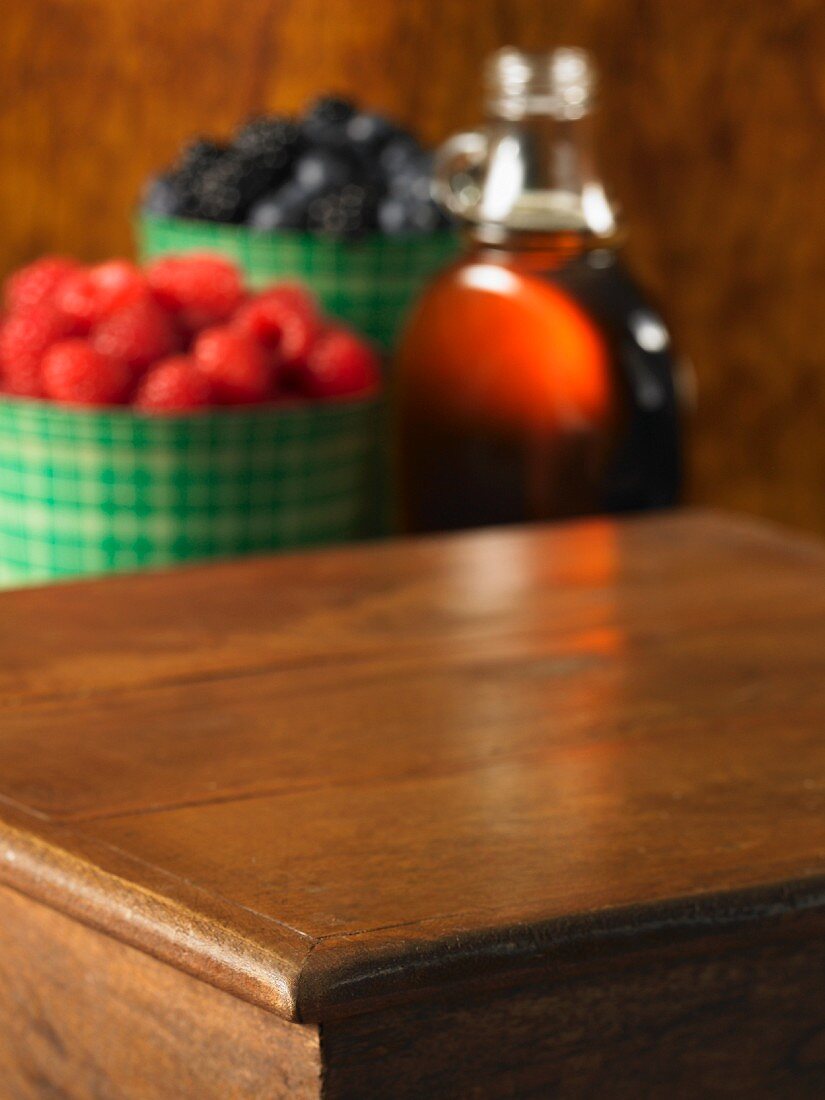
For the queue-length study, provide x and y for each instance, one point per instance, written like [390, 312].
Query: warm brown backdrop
[713, 123]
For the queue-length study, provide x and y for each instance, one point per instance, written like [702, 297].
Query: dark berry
[322, 170]
[164, 195]
[329, 109]
[285, 208]
[331, 172]
[269, 146]
[425, 217]
[412, 175]
[324, 124]
[398, 154]
[218, 192]
[392, 217]
[199, 155]
[266, 132]
[348, 212]
[397, 216]
[227, 188]
[368, 132]
[196, 159]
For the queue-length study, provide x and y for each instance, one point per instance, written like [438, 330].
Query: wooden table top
[331, 780]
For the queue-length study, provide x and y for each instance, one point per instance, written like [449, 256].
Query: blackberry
[324, 124]
[270, 146]
[346, 213]
[264, 132]
[338, 171]
[164, 195]
[227, 188]
[401, 215]
[367, 132]
[322, 170]
[285, 208]
[329, 108]
[197, 157]
[399, 153]
[412, 177]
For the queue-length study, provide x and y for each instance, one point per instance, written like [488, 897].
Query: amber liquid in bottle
[534, 381]
[536, 385]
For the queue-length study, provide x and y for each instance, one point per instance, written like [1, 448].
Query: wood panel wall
[713, 115]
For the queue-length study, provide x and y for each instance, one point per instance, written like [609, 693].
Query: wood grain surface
[711, 135]
[341, 779]
[86, 1017]
[722, 1019]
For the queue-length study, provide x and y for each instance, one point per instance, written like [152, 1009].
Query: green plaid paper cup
[91, 492]
[369, 283]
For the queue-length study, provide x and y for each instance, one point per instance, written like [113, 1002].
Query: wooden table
[507, 814]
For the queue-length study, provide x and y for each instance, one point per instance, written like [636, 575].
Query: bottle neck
[540, 180]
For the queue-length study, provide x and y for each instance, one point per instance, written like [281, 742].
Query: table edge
[304, 979]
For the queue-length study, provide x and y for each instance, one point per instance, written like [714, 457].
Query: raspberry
[90, 294]
[267, 317]
[260, 321]
[284, 319]
[37, 283]
[76, 374]
[137, 335]
[24, 339]
[173, 385]
[235, 366]
[299, 336]
[201, 289]
[338, 365]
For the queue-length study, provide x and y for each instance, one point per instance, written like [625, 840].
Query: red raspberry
[90, 294]
[76, 374]
[24, 339]
[173, 385]
[283, 317]
[200, 289]
[37, 283]
[300, 334]
[260, 321]
[235, 366]
[137, 335]
[339, 364]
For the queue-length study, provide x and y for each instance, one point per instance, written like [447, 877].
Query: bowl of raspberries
[338, 198]
[159, 414]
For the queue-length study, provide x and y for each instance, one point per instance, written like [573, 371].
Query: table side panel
[714, 1019]
[84, 1015]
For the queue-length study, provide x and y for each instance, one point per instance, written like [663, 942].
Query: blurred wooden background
[713, 118]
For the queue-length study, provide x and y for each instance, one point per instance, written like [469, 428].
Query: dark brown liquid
[534, 386]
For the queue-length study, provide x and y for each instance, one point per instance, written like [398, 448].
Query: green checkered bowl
[90, 492]
[369, 283]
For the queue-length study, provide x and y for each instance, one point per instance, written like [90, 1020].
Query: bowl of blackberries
[338, 198]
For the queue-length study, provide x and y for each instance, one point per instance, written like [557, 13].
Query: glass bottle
[534, 379]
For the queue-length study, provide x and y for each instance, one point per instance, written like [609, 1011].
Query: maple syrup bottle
[534, 380]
